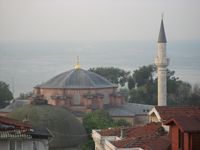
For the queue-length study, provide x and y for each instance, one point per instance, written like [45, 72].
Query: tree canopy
[143, 88]
[5, 94]
[99, 119]
[114, 75]
[142, 76]
[142, 85]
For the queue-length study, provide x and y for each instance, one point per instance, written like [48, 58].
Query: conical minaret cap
[162, 38]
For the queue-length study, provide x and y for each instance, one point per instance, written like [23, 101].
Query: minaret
[162, 62]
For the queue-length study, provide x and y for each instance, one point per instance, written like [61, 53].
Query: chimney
[122, 132]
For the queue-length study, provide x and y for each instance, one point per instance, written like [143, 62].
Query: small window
[15, 145]
[12, 145]
[18, 145]
[35, 145]
[180, 139]
[106, 98]
[77, 99]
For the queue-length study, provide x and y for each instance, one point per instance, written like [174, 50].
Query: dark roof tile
[169, 112]
[77, 78]
[150, 136]
[188, 124]
[13, 122]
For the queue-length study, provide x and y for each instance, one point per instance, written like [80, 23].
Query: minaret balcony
[161, 62]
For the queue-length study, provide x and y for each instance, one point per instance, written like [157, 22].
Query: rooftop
[149, 142]
[7, 123]
[148, 129]
[169, 112]
[65, 128]
[14, 129]
[150, 136]
[110, 132]
[15, 134]
[77, 79]
[130, 109]
[186, 124]
[15, 104]
[144, 136]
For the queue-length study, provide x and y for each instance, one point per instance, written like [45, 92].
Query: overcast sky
[69, 20]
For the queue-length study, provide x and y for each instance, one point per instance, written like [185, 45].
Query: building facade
[16, 135]
[79, 90]
[169, 128]
[184, 133]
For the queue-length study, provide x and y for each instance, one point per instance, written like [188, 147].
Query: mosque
[79, 90]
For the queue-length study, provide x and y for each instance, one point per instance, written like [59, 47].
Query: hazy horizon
[30, 64]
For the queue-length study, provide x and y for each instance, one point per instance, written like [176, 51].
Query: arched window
[77, 99]
[106, 98]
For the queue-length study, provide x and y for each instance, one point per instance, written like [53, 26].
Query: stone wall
[88, 99]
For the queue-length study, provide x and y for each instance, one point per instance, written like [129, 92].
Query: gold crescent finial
[77, 66]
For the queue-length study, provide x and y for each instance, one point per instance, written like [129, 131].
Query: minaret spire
[162, 62]
[162, 37]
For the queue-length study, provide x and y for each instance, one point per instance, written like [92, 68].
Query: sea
[24, 65]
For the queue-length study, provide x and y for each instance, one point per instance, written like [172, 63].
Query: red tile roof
[168, 112]
[148, 129]
[150, 136]
[14, 129]
[148, 142]
[157, 143]
[13, 122]
[186, 124]
[132, 131]
[110, 132]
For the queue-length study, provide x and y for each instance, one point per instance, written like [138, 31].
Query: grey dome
[77, 79]
[66, 130]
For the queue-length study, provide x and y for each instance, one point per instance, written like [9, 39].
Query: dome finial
[77, 66]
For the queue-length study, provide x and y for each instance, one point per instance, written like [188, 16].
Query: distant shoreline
[26, 65]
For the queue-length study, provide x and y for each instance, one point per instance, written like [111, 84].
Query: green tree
[143, 87]
[181, 93]
[115, 75]
[125, 93]
[5, 94]
[99, 120]
[25, 95]
[142, 76]
[196, 89]
[122, 123]
[95, 120]
[195, 96]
